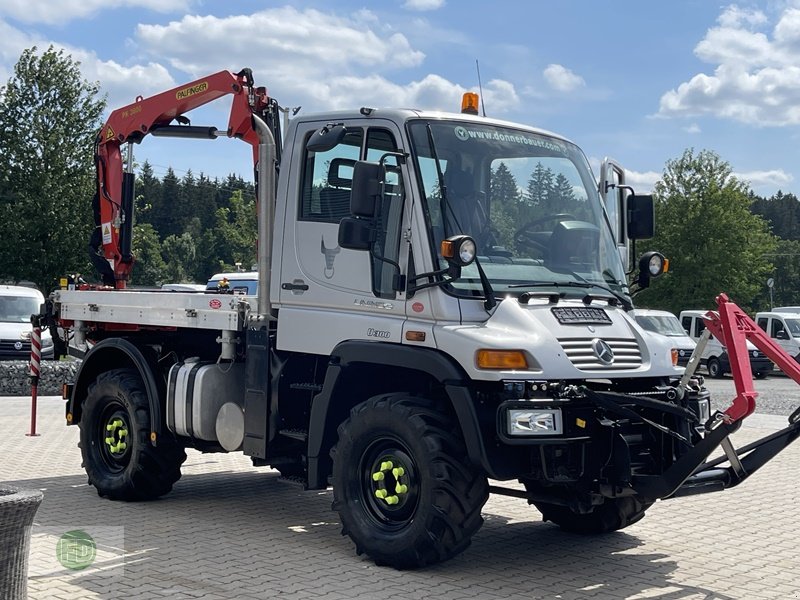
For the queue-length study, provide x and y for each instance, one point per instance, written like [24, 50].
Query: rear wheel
[612, 515]
[115, 441]
[761, 374]
[714, 368]
[402, 485]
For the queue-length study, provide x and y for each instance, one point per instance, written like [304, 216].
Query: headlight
[459, 250]
[534, 421]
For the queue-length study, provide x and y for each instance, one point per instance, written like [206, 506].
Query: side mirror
[356, 234]
[641, 217]
[367, 179]
[326, 138]
[781, 335]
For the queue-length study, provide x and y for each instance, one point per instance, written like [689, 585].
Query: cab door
[328, 293]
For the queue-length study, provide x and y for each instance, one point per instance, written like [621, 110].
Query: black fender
[116, 353]
[439, 366]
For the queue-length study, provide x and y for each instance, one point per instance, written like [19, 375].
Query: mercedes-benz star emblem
[603, 351]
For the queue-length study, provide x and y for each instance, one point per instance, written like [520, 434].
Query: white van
[665, 323]
[787, 309]
[240, 282]
[715, 357]
[17, 304]
[783, 328]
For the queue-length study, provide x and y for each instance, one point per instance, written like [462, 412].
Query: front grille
[627, 354]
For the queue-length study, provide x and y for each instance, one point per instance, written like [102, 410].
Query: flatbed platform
[171, 309]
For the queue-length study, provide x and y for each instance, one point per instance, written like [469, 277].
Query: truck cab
[784, 328]
[715, 357]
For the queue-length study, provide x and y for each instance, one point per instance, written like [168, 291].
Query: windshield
[665, 325]
[793, 325]
[17, 309]
[529, 201]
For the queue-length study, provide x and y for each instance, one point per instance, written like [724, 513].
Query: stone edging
[14, 379]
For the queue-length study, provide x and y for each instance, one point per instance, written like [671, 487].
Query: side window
[390, 214]
[700, 325]
[762, 323]
[687, 324]
[327, 180]
[777, 327]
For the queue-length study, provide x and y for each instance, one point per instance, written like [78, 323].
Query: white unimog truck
[420, 326]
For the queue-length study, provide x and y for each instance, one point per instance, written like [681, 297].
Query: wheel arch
[118, 353]
[378, 367]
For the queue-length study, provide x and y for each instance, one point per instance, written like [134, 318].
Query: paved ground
[232, 531]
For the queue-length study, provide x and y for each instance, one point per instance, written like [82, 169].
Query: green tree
[705, 227]
[505, 198]
[49, 117]
[178, 252]
[150, 268]
[786, 273]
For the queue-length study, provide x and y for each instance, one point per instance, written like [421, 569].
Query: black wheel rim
[114, 437]
[389, 483]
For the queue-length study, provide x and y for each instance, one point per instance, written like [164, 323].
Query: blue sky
[636, 80]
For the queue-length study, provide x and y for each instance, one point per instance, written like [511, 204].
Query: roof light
[469, 103]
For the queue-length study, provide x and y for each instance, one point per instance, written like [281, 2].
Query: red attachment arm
[733, 327]
[131, 123]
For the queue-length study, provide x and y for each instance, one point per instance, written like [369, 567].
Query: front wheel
[402, 484]
[612, 515]
[714, 368]
[115, 441]
[761, 374]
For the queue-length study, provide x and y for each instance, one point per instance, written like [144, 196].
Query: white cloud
[423, 4]
[290, 51]
[756, 77]
[281, 39]
[642, 181]
[121, 83]
[693, 128]
[562, 79]
[772, 179]
[45, 11]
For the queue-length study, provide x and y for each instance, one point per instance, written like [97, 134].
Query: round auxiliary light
[459, 250]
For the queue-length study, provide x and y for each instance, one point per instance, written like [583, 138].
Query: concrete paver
[229, 530]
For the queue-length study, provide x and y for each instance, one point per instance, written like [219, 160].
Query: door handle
[302, 287]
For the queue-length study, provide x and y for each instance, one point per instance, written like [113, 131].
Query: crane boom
[110, 245]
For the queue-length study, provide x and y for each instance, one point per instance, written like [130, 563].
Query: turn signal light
[674, 357]
[501, 359]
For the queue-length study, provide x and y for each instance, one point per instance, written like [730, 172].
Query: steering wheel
[533, 239]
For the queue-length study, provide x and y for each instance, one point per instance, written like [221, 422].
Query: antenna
[480, 87]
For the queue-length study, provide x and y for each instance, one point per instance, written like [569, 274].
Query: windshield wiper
[626, 304]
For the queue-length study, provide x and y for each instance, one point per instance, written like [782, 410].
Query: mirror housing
[782, 335]
[366, 188]
[641, 223]
[327, 138]
[356, 234]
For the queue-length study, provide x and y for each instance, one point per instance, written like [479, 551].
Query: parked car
[17, 304]
[240, 282]
[783, 328]
[715, 356]
[665, 323]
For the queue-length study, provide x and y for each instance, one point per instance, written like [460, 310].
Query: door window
[762, 323]
[328, 179]
[777, 328]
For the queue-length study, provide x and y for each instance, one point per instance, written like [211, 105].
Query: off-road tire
[141, 471]
[440, 509]
[612, 515]
[714, 368]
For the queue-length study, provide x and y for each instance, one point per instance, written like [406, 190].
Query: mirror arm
[452, 271]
